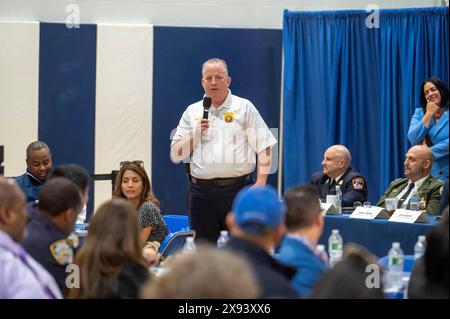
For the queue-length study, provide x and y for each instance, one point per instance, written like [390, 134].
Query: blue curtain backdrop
[345, 83]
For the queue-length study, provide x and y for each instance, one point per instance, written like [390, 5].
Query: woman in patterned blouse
[132, 183]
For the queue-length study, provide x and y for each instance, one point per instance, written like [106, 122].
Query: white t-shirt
[236, 134]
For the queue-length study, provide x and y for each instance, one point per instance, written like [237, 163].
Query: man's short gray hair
[35, 146]
[215, 60]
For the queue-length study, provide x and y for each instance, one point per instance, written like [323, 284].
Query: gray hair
[35, 146]
[213, 61]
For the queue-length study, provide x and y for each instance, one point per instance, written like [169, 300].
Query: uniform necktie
[405, 196]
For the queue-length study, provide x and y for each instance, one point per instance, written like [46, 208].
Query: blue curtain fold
[348, 84]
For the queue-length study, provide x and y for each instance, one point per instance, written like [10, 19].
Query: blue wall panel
[67, 94]
[254, 62]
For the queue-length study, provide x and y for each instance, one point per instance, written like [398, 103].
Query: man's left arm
[356, 191]
[435, 199]
[263, 166]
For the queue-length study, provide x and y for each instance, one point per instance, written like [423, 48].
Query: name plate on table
[369, 213]
[408, 216]
[328, 209]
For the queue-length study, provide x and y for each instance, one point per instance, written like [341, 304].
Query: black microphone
[206, 105]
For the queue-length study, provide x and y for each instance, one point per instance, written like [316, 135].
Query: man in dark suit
[337, 171]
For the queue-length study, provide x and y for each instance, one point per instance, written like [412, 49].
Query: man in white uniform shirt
[221, 150]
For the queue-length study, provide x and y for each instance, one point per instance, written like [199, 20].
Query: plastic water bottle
[189, 247]
[396, 258]
[335, 248]
[419, 248]
[223, 239]
[339, 199]
[414, 201]
[322, 253]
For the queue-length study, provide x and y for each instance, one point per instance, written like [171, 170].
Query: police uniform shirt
[51, 247]
[352, 184]
[236, 132]
[417, 185]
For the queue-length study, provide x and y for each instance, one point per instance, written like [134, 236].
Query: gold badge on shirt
[228, 117]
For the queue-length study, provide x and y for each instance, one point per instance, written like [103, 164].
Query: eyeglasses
[217, 78]
[137, 163]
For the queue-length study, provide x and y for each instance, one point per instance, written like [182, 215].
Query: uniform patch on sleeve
[62, 252]
[358, 182]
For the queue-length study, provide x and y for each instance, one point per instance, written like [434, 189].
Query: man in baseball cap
[256, 224]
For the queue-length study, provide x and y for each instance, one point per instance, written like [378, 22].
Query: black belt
[221, 182]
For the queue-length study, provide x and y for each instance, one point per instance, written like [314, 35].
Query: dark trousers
[208, 206]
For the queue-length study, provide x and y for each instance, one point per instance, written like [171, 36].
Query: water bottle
[189, 247]
[339, 199]
[223, 239]
[414, 201]
[396, 266]
[335, 244]
[419, 248]
[322, 253]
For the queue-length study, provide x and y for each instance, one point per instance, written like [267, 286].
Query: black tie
[331, 189]
[405, 196]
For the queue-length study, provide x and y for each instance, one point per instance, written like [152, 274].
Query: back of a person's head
[437, 252]
[113, 240]
[75, 173]
[302, 207]
[58, 195]
[209, 273]
[348, 279]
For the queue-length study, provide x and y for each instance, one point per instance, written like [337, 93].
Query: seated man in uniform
[39, 164]
[47, 234]
[418, 163]
[337, 171]
[20, 275]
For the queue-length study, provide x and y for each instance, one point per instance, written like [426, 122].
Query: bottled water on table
[335, 247]
[339, 199]
[414, 201]
[396, 258]
[419, 248]
[189, 247]
[223, 239]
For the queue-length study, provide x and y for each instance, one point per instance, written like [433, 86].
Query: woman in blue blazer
[429, 124]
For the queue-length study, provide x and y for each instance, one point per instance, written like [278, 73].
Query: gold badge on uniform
[62, 252]
[423, 203]
[228, 117]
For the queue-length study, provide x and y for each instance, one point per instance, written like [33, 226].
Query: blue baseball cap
[258, 209]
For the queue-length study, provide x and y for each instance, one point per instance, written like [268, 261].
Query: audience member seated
[444, 198]
[418, 163]
[429, 278]
[47, 234]
[337, 171]
[304, 223]
[429, 125]
[111, 260]
[133, 184]
[81, 178]
[256, 224]
[208, 273]
[20, 275]
[76, 174]
[39, 164]
[348, 279]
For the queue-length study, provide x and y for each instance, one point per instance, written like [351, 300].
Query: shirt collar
[418, 183]
[225, 105]
[7, 242]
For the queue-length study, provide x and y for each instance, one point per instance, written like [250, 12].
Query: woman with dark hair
[133, 184]
[429, 124]
[111, 261]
